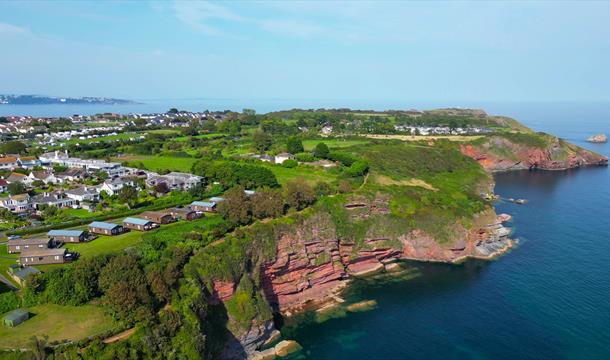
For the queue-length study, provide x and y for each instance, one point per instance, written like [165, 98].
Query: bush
[321, 151]
[358, 168]
[8, 301]
[290, 163]
[305, 157]
[344, 158]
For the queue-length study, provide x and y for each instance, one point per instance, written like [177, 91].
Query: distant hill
[39, 99]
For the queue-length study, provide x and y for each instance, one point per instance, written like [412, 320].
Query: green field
[106, 244]
[6, 260]
[201, 136]
[309, 145]
[308, 173]
[58, 322]
[156, 163]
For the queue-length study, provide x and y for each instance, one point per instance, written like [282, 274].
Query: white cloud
[198, 15]
[12, 29]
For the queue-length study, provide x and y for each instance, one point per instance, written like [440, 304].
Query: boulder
[599, 138]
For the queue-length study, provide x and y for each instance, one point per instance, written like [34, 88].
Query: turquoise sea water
[549, 298]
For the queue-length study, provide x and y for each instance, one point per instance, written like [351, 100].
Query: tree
[299, 194]
[294, 145]
[267, 203]
[12, 147]
[16, 188]
[261, 140]
[172, 111]
[236, 206]
[161, 188]
[128, 195]
[59, 168]
[321, 151]
[126, 288]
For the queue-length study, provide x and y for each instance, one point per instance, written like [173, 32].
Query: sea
[548, 298]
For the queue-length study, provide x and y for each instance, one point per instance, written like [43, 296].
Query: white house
[16, 203]
[83, 193]
[280, 158]
[175, 180]
[113, 186]
[45, 176]
[8, 163]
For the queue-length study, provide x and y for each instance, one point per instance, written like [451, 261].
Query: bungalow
[83, 193]
[3, 185]
[45, 176]
[43, 256]
[157, 217]
[17, 203]
[203, 206]
[104, 228]
[15, 246]
[280, 158]
[20, 274]
[64, 236]
[8, 163]
[183, 214]
[15, 317]
[138, 224]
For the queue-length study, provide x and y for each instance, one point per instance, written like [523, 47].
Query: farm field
[310, 174]
[58, 322]
[156, 163]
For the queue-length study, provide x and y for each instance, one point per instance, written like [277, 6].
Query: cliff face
[497, 153]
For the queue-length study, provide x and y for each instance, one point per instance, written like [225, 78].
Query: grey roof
[216, 199]
[17, 314]
[81, 191]
[29, 241]
[103, 225]
[65, 233]
[42, 252]
[22, 273]
[203, 203]
[136, 221]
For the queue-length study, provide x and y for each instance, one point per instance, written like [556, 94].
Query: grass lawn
[310, 174]
[58, 322]
[106, 244]
[81, 213]
[6, 260]
[309, 145]
[201, 136]
[156, 163]
[103, 138]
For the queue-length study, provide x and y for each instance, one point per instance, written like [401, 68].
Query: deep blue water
[549, 298]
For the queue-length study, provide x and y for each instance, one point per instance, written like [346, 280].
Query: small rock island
[599, 138]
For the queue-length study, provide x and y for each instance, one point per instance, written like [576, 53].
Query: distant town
[40, 99]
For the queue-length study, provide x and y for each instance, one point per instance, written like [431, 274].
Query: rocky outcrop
[498, 153]
[599, 138]
[239, 347]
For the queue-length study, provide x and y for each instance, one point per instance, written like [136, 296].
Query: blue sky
[415, 51]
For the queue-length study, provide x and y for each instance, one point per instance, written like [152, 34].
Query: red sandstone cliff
[497, 153]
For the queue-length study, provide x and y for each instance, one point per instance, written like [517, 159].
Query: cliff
[529, 151]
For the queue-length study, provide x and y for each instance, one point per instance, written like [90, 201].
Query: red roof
[3, 182]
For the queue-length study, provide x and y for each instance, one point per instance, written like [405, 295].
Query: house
[113, 186]
[266, 158]
[8, 163]
[45, 176]
[203, 206]
[73, 174]
[43, 256]
[73, 236]
[280, 158]
[183, 214]
[28, 162]
[54, 198]
[157, 217]
[20, 273]
[15, 317]
[175, 180]
[17, 177]
[327, 130]
[83, 193]
[3, 186]
[138, 224]
[17, 203]
[15, 246]
[104, 228]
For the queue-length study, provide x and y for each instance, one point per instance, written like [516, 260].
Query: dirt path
[120, 336]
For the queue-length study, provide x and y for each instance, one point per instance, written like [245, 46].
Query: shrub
[305, 157]
[290, 163]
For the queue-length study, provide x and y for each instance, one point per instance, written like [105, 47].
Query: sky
[415, 51]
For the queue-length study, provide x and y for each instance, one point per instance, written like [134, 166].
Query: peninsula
[199, 231]
[40, 99]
